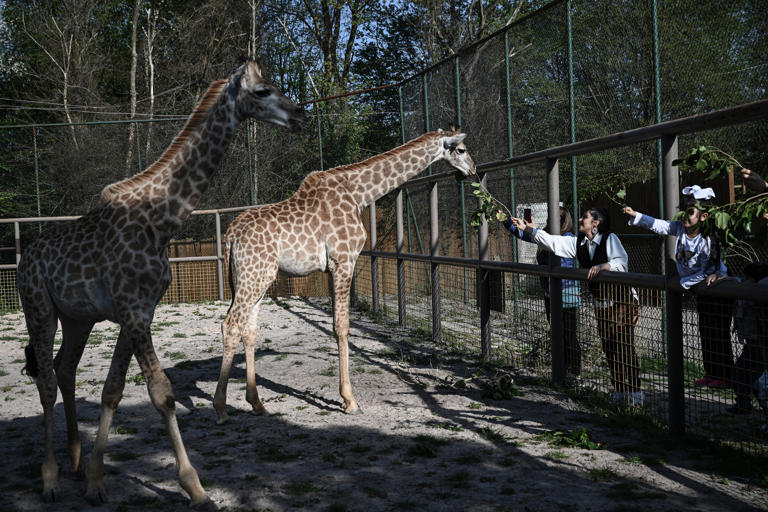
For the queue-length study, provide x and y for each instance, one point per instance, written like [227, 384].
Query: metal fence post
[434, 250]
[401, 313]
[673, 303]
[219, 262]
[374, 260]
[457, 73]
[555, 285]
[319, 134]
[138, 147]
[17, 240]
[484, 291]
[510, 151]
[37, 174]
[572, 107]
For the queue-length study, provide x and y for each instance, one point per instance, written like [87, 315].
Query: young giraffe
[318, 228]
[112, 264]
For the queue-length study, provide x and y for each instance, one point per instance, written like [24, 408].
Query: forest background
[86, 61]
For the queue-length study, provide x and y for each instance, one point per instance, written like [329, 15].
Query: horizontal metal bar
[707, 121]
[729, 288]
[188, 259]
[94, 123]
[40, 219]
[75, 217]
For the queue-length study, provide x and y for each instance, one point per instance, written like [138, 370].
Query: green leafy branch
[712, 161]
[487, 206]
[618, 197]
[734, 221]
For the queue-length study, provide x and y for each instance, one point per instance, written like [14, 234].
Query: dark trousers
[749, 367]
[616, 325]
[571, 345]
[715, 331]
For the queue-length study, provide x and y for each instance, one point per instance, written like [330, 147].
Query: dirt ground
[423, 442]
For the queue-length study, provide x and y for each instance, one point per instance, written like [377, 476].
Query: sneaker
[704, 381]
[716, 383]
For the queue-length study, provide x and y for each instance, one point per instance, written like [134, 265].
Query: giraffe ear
[453, 141]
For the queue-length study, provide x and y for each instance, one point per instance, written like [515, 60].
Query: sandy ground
[422, 443]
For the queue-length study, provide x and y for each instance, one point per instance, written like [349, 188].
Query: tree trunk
[150, 32]
[134, 58]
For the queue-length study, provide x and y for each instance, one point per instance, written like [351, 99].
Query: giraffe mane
[210, 97]
[392, 152]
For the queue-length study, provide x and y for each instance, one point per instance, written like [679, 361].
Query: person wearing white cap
[697, 257]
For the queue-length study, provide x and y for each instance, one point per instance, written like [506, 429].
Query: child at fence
[697, 257]
[751, 321]
[615, 307]
[571, 301]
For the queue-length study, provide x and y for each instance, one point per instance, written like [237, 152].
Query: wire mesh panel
[9, 298]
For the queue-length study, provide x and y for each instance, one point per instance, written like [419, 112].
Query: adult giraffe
[318, 228]
[112, 264]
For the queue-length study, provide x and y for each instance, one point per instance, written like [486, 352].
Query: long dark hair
[566, 222]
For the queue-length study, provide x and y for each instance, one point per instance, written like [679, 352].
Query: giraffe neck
[381, 174]
[170, 188]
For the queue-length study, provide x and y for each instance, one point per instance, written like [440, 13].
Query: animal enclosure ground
[428, 439]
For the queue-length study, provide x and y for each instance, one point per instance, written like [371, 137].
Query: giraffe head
[453, 151]
[254, 97]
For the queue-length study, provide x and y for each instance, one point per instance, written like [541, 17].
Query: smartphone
[527, 217]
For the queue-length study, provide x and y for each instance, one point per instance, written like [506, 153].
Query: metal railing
[673, 305]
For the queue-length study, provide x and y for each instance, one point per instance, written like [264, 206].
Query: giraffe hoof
[221, 420]
[49, 495]
[96, 497]
[259, 411]
[353, 410]
[206, 505]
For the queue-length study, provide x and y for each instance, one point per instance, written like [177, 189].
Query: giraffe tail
[31, 367]
[232, 267]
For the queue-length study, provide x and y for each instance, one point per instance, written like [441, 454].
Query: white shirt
[565, 247]
[692, 254]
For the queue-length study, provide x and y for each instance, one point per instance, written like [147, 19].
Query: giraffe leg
[342, 280]
[75, 334]
[41, 326]
[230, 332]
[110, 398]
[161, 394]
[250, 333]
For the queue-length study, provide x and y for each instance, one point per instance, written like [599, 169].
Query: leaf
[501, 216]
[621, 194]
[721, 220]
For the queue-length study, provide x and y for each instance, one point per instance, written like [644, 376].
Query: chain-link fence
[573, 71]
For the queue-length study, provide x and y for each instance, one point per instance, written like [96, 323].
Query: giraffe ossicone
[112, 264]
[318, 228]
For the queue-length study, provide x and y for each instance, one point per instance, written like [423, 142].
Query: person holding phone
[616, 307]
[570, 288]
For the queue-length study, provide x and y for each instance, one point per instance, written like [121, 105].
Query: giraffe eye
[461, 151]
[262, 93]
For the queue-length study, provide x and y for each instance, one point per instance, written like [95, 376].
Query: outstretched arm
[563, 246]
[662, 227]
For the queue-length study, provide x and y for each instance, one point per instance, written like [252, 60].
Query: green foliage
[733, 221]
[576, 438]
[487, 206]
